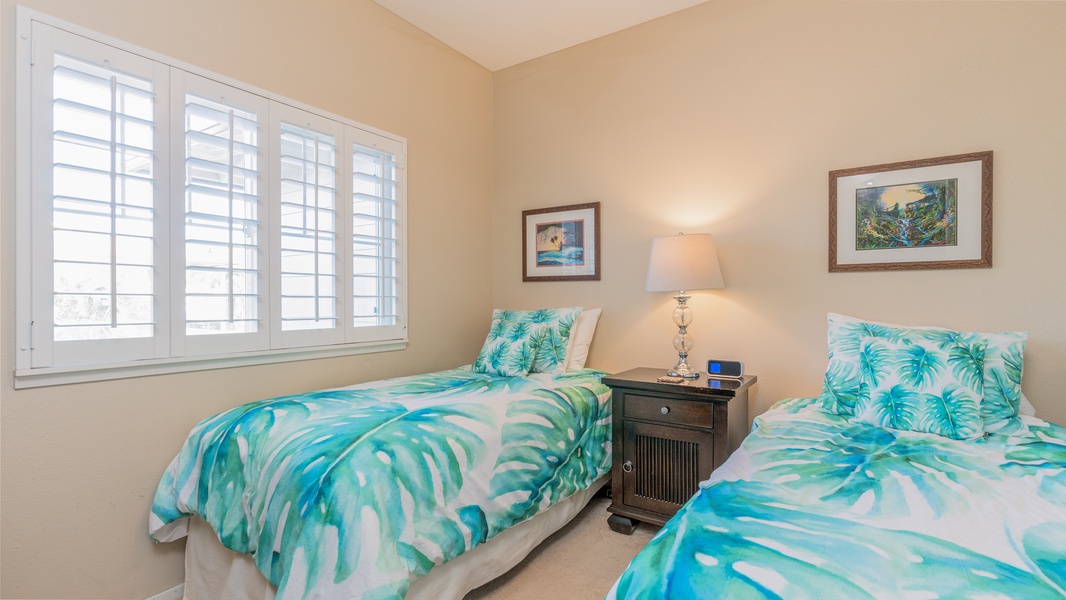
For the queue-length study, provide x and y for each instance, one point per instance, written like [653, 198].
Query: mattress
[358, 491]
[815, 506]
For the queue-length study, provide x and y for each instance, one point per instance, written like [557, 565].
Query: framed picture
[561, 243]
[934, 213]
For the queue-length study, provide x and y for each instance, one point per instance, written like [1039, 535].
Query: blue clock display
[729, 369]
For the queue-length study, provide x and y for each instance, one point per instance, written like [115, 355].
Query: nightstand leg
[621, 524]
[605, 491]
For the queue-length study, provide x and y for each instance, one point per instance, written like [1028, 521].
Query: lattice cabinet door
[663, 465]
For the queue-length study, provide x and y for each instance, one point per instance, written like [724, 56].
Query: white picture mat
[588, 215]
[968, 215]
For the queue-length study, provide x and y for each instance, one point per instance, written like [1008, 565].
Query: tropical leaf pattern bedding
[814, 506]
[352, 493]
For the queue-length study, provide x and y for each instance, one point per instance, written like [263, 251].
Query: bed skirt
[214, 572]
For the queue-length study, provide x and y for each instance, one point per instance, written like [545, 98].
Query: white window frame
[172, 350]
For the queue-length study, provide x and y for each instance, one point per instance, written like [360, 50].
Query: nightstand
[667, 438]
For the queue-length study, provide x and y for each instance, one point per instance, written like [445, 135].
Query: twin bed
[812, 506]
[895, 482]
[915, 474]
[357, 492]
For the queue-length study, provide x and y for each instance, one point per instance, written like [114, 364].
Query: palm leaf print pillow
[510, 347]
[922, 384]
[558, 329]
[557, 325]
[1002, 378]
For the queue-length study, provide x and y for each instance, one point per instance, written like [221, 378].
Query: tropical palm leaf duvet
[814, 506]
[352, 493]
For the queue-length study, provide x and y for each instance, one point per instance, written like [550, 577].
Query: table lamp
[681, 263]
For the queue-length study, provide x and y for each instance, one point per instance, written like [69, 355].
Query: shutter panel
[305, 226]
[103, 204]
[98, 202]
[222, 272]
[377, 229]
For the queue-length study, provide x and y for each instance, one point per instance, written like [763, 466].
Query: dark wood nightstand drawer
[669, 410]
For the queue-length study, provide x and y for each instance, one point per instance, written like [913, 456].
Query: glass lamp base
[683, 371]
[682, 343]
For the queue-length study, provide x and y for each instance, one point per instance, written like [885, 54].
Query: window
[172, 219]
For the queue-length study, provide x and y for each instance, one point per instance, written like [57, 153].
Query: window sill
[32, 378]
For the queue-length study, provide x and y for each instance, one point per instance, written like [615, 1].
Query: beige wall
[727, 117]
[724, 118]
[80, 462]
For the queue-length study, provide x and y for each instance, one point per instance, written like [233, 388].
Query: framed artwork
[934, 213]
[561, 243]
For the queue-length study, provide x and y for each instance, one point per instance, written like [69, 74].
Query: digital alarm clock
[725, 369]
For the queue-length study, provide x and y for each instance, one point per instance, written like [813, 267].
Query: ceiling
[500, 33]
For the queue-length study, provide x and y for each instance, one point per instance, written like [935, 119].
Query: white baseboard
[174, 593]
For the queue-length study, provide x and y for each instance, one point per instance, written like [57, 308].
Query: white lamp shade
[683, 262]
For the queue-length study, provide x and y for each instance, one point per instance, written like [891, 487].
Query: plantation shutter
[221, 271]
[98, 235]
[377, 230]
[308, 264]
[167, 221]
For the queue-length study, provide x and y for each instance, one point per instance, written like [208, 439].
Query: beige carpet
[579, 562]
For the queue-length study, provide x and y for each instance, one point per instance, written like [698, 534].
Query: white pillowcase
[1025, 407]
[577, 351]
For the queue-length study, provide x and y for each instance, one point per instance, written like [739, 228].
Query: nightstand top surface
[646, 378]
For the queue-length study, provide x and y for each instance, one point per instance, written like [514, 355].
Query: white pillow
[1025, 407]
[577, 351]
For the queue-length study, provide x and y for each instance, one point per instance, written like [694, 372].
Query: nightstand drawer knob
[627, 467]
[665, 410]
